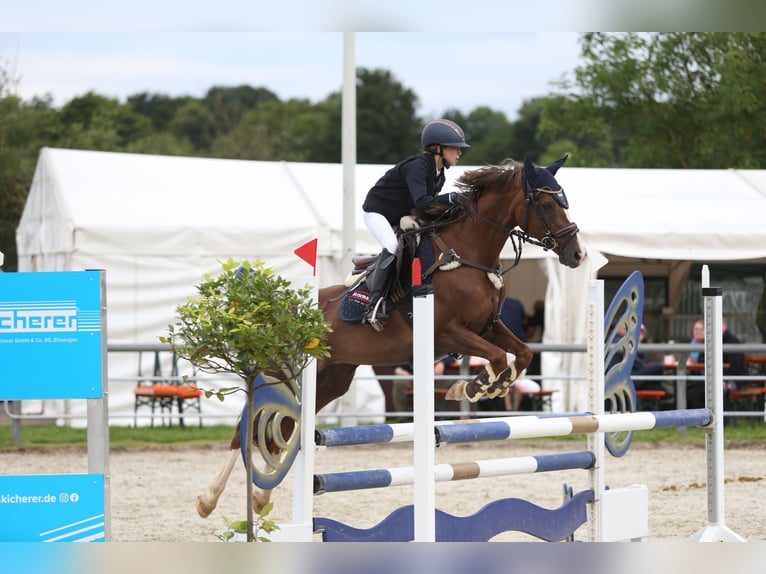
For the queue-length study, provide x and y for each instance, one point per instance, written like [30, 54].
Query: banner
[50, 335]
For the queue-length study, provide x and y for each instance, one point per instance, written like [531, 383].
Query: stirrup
[375, 317]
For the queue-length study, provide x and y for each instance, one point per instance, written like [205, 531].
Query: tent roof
[133, 203]
[701, 215]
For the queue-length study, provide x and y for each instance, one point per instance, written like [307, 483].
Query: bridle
[551, 241]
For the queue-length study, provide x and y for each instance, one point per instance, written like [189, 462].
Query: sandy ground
[153, 491]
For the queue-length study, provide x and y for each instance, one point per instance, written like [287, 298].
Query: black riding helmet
[443, 132]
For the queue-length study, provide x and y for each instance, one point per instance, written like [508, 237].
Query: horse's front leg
[498, 375]
[504, 338]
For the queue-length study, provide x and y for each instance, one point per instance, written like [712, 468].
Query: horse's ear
[530, 172]
[554, 167]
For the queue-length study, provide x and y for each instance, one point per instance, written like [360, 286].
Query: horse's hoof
[203, 509]
[461, 390]
[260, 500]
[456, 392]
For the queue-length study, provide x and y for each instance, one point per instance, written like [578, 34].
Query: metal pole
[716, 530]
[595, 441]
[348, 150]
[98, 422]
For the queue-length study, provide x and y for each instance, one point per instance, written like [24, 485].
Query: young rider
[412, 183]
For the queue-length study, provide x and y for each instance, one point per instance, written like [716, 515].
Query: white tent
[157, 224]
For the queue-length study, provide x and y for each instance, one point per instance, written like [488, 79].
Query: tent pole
[348, 151]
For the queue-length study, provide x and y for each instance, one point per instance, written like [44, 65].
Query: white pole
[348, 149]
[595, 441]
[716, 530]
[303, 468]
[424, 441]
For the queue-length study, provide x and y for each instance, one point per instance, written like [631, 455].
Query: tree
[95, 122]
[294, 130]
[667, 100]
[388, 129]
[159, 108]
[24, 128]
[229, 105]
[249, 322]
[489, 133]
[194, 123]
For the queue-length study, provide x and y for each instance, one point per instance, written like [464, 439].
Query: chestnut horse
[467, 280]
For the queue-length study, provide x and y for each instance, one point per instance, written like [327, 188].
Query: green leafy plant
[261, 524]
[249, 321]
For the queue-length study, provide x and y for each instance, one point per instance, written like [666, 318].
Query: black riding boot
[377, 281]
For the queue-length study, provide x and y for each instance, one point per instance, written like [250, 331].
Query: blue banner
[52, 508]
[50, 335]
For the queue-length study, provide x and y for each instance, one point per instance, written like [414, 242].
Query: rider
[411, 183]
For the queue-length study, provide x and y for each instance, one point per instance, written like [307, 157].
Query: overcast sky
[445, 69]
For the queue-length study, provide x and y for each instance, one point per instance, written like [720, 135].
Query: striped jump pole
[538, 427]
[387, 433]
[383, 478]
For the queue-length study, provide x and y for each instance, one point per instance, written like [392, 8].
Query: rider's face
[452, 154]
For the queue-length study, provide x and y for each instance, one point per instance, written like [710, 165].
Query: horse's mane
[477, 181]
[473, 184]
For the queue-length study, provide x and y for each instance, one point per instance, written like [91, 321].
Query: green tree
[95, 122]
[248, 321]
[388, 129]
[159, 108]
[194, 123]
[488, 131]
[24, 129]
[230, 104]
[277, 131]
[666, 100]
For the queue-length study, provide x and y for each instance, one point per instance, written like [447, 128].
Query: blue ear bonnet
[546, 181]
[542, 178]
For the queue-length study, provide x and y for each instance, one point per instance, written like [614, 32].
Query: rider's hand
[456, 198]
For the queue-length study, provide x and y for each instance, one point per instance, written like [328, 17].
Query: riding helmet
[443, 132]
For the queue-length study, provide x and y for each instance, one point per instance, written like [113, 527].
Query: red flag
[308, 252]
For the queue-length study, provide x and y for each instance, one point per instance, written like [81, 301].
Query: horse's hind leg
[208, 500]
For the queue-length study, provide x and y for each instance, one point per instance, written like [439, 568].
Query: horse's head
[545, 217]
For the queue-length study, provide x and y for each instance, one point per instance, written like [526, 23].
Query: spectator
[737, 366]
[698, 338]
[513, 316]
[536, 322]
[642, 366]
[695, 388]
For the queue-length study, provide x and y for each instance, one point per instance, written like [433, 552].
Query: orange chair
[164, 393]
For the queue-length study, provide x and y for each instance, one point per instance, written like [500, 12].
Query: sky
[455, 70]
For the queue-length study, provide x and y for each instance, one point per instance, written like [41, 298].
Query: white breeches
[381, 229]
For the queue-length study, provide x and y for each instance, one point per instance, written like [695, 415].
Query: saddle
[398, 293]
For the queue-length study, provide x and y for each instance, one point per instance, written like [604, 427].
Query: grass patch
[119, 437]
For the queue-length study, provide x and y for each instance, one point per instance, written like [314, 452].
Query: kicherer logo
[38, 317]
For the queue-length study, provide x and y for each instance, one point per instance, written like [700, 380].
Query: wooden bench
[163, 394]
[751, 398]
[649, 400]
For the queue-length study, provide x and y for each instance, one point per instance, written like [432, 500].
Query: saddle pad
[354, 302]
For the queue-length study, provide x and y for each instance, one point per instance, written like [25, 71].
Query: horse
[520, 201]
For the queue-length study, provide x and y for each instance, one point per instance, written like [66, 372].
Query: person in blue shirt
[412, 183]
[513, 316]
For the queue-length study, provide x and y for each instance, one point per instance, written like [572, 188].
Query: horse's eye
[548, 204]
